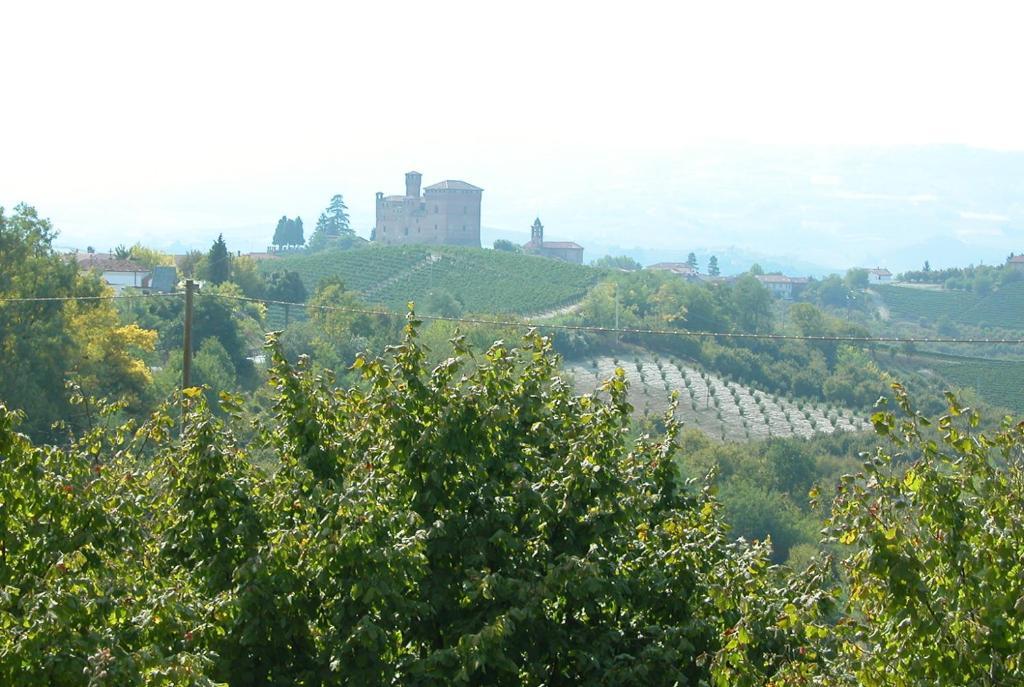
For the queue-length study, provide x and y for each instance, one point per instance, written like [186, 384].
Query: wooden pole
[186, 363]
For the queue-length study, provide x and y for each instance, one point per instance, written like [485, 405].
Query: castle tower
[537, 232]
[412, 184]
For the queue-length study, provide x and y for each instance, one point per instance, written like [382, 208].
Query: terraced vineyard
[999, 382]
[721, 409]
[1003, 308]
[485, 281]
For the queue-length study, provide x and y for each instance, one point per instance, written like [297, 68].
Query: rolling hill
[484, 281]
[1003, 308]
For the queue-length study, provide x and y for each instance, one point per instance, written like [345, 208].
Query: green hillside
[1003, 308]
[998, 382]
[485, 281]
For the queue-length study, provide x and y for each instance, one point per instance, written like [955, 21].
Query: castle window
[465, 209]
[407, 231]
[435, 209]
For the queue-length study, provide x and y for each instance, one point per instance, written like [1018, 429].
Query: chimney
[412, 184]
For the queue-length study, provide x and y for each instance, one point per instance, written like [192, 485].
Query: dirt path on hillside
[883, 311]
[548, 314]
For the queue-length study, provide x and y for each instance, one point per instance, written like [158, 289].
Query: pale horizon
[127, 123]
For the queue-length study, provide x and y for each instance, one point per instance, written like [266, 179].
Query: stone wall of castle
[446, 213]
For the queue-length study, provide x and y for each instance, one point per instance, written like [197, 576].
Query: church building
[448, 212]
[559, 250]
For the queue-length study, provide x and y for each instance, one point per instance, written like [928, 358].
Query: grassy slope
[1003, 308]
[485, 281]
[998, 382]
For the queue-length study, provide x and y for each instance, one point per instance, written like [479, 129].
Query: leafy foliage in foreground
[437, 527]
[479, 524]
[934, 579]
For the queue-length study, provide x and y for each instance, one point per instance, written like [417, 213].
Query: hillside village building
[1015, 262]
[447, 212]
[568, 251]
[116, 272]
[782, 286]
[681, 269]
[879, 275]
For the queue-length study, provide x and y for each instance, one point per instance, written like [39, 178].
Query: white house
[117, 273]
[879, 275]
[681, 269]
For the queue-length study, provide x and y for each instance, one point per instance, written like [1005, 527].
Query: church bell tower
[537, 232]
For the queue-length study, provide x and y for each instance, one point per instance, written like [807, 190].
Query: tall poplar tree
[218, 262]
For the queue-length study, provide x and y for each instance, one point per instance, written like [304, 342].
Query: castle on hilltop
[447, 212]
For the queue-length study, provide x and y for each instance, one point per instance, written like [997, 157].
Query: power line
[107, 297]
[624, 330]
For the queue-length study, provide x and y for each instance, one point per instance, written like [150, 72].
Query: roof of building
[105, 263]
[452, 185]
[677, 267]
[780, 279]
[262, 256]
[562, 245]
[1016, 260]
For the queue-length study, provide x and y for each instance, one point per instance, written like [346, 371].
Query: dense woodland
[370, 498]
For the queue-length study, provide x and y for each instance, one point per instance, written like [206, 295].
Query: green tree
[507, 246]
[713, 269]
[246, 274]
[856, 278]
[931, 550]
[752, 304]
[286, 286]
[691, 260]
[218, 262]
[43, 344]
[149, 257]
[473, 524]
[281, 237]
[297, 236]
[188, 264]
[618, 262]
[441, 302]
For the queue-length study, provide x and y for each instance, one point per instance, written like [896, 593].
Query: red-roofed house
[782, 286]
[559, 250]
[1015, 262]
[116, 272]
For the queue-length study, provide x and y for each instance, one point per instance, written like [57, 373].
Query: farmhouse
[879, 275]
[116, 272]
[559, 250]
[682, 269]
[447, 212]
[782, 286]
[1015, 262]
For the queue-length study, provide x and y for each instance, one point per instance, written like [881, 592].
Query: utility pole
[186, 363]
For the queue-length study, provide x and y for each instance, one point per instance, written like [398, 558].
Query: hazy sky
[139, 121]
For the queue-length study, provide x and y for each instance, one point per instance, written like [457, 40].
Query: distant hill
[1003, 308]
[484, 281]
